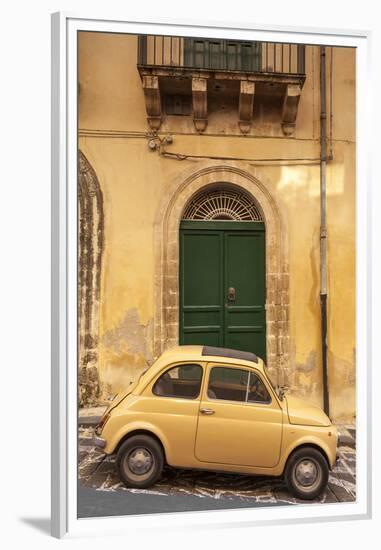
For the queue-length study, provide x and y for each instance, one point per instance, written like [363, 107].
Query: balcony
[186, 76]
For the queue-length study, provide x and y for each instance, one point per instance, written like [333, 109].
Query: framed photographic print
[210, 275]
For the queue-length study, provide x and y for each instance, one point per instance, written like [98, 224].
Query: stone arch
[90, 250]
[166, 330]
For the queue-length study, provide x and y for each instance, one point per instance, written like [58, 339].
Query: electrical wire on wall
[159, 144]
[184, 156]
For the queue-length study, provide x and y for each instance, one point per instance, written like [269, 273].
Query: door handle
[207, 411]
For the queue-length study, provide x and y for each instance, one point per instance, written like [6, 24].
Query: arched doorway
[169, 217]
[223, 270]
[90, 249]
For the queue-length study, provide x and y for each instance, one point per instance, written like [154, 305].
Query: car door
[240, 421]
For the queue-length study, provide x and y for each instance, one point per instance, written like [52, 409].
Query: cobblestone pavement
[97, 471]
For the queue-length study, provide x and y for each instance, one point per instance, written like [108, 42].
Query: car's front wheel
[306, 473]
[140, 461]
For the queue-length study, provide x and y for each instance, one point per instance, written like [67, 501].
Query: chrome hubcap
[140, 461]
[306, 472]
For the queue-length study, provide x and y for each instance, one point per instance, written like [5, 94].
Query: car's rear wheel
[306, 473]
[140, 461]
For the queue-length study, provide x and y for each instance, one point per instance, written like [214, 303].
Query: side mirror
[282, 392]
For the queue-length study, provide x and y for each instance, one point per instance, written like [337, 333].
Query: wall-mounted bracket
[246, 104]
[153, 101]
[200, 103]
[290, 108]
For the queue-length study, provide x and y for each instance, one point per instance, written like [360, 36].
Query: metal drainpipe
[323, 223]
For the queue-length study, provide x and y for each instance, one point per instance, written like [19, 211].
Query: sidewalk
[347, 435]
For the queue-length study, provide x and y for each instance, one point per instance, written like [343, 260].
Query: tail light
[101, 425]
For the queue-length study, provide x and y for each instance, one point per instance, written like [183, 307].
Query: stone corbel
[290, 108]
[246, 104]
[153, 101]
[200, 103]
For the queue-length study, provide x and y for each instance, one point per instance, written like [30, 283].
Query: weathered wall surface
[136, 182]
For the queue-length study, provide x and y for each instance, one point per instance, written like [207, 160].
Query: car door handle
[207, 411]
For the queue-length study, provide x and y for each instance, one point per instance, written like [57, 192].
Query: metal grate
[223, 204]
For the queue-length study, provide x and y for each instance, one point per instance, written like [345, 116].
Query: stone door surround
[167, 224]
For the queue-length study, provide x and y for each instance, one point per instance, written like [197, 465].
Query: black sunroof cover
[231, 353]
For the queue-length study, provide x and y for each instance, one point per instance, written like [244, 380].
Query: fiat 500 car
[210, 408]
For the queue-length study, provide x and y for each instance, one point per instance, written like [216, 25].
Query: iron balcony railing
[224, 55]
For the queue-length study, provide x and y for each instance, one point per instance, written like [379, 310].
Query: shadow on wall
[342, 381]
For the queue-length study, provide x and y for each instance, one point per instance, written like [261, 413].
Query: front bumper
[98, 442]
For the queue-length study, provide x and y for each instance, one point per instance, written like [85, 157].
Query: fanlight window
[223, 204]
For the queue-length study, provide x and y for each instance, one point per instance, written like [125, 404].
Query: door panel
[244, 434]
[216, 256]
[244, 272]
[201, 278]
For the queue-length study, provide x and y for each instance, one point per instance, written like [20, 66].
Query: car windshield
[140, 375]
[133, 383]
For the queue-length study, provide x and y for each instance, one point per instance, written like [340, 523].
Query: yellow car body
[214, 434]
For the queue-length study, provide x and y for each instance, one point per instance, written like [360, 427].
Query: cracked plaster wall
[135, 181]
[126, 351]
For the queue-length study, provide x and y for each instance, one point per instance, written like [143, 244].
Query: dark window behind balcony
[178, 105]
[222, 54]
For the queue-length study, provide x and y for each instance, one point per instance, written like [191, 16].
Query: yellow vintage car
[211, 408]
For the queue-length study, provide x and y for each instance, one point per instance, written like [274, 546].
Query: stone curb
[87, 421]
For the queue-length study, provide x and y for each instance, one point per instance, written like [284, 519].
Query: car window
[228, 384]
[183, 381]
[236, 385]
[257, 390]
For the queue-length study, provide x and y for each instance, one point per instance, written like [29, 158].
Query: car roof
[230, 353]
[206, 353]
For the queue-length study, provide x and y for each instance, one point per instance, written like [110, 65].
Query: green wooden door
[222, 285]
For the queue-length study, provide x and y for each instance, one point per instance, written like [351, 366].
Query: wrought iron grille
[224, 55]
[223, 204]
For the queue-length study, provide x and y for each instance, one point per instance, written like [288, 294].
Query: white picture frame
[65, 27]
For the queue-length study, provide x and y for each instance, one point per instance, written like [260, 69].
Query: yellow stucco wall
[135, 180]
